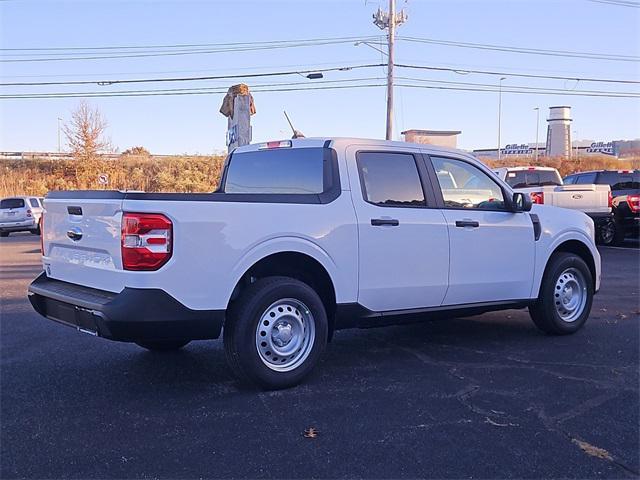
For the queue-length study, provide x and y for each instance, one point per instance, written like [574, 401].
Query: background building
[442, 138]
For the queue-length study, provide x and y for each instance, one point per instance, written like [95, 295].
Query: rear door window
[390, 179]
[277, 171]
[34, 202]
[11, 203]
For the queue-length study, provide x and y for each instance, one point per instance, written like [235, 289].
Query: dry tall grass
[567, 166]
[179, 174]
[198, 173]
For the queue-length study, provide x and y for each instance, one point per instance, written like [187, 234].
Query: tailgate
[81, 238]
[586, 198]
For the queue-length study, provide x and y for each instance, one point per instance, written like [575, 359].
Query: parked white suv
[20, 214]
[305, 237]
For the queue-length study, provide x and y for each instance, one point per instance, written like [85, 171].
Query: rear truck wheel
[275, 332]
[566, 295]
[4, 234]
[163, 345]
[35, 231]
[610, 232]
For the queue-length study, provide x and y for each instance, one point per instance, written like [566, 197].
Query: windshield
[12, 203]
[532, 178]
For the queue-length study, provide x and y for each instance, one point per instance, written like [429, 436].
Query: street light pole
[59, 134]
[537, 109]
[500, 112]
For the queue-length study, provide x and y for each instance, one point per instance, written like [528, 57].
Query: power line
[190, 79]
[510, 74]
[194, 45]
[619, 3]
[163, 53]
[523, 50]
[323, 70]
[287, 87]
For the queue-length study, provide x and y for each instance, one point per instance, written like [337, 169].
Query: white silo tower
[559, 132]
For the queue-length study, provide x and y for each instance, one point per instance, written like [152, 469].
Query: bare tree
[85, 133]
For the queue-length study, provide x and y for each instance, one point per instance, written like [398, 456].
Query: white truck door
[492, 249]
[403, 241]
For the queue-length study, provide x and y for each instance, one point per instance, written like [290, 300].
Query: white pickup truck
[304, 237]
[545, 186]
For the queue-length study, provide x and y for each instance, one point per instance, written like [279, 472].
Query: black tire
[610, 233]
[241, 330]
[35, 231]
[4, 234]
[544, 312]
[163, 345]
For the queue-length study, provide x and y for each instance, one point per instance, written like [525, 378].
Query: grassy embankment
[196, 173]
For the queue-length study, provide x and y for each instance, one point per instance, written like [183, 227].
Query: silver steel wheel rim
[285, 334]
[570, 294]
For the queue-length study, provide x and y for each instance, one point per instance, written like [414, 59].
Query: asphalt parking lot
[483, 397]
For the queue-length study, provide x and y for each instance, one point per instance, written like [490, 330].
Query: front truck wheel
[566, 295]
[275, 332]
[163, 345]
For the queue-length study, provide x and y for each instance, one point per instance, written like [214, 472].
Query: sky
[192, 124]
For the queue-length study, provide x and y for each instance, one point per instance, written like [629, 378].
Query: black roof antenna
[296, 133]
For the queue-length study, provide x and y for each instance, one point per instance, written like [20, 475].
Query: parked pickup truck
[625, 189]
[545, 185]
[305, 237]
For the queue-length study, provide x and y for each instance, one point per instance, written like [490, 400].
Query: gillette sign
[601, 147]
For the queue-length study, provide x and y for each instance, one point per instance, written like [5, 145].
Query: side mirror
[521, 202]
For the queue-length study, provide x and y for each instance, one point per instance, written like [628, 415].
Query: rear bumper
[18, 226]
[132, 315]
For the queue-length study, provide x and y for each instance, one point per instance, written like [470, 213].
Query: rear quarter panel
[216, 242]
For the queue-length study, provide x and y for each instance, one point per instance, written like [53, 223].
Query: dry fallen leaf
[310, 433]
[592, 450]
[622, 316]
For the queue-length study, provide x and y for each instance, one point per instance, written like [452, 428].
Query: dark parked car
[625, 190]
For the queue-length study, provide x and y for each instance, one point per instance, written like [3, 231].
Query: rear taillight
[537, 197]
[28, 213]
[146, 241]
[610, 201]
[41, 227]
[634, 203]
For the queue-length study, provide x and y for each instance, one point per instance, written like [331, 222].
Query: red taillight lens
[634, 203]
[537, 197]
[28, 213]
[146, 241]
[610, 199]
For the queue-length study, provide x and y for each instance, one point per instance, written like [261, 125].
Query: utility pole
[537, 109]
[389, 20]
[500, 113]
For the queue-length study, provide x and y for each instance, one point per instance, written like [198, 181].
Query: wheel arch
[296, 264]
[579, 248]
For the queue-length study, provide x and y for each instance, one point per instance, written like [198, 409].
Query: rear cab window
[294, 171]
[532, 178]
[11, 203]
[619, 180]
[34, 202]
